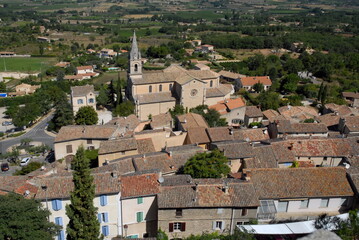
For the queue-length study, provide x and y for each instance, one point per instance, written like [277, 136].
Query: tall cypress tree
[82, 212]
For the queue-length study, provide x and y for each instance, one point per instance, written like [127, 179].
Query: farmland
[26, 65]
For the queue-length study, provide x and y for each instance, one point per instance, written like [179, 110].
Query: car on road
[5, 167]
[25, 161]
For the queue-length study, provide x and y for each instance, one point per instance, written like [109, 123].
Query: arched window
[170, 86]
[150, 89]
[211, 83]
[91, 100]
[80, 101]
[136, 67]
[160, 87]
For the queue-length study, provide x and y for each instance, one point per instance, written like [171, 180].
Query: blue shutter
[59, 204]
[105, 217]
[61, 235]
[105, 230]
[99, 216]
[54, 205]
[103, 200]
[58, 221]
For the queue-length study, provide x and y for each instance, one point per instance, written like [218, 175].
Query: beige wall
[214, 80]
[112, 208]
[215, 100]
[85, 102]
[144, 110]
[237, 113]
[189, 101]
[294, 135]
[329, 161]
[130, 207]
[60, 148]
[199, 220]
[112, 156]
[248, 120]
[158, 138]
[144, 89]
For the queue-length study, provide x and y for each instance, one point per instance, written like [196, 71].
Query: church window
[136, 67]
[160, 87]
[211, 83]
[150, 89]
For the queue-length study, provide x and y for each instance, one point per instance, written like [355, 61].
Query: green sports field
[26, 65]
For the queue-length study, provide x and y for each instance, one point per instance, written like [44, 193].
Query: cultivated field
[26, 65]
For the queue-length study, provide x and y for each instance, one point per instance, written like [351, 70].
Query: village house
[247, 83]
[82, 96]
[288, 129]
[219, 134]
[233, 110]
[300, 193]
[201, 66]
[107, 53]
[139, 204]
[24, 89]
[294, 113]
[160, 121]
[156, 92]
[230, 76]
[190, 120]
[62, 64]
[70, 138]
[7, 54]
[349, 125]
[340, 110]
[122, 147]
[192, 206]
[127, 125]
[352, 98]
[253, 114]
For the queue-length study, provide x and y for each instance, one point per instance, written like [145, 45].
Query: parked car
[25, 161]
[6, 123]
[5, 167]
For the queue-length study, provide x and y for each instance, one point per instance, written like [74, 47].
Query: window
[91, 148]
[178, 212]
[139, 216]
[140, 200]
[282, 206]
[68, 148]
[324, 202]
[61, 235]
[239, 223]
[103, 200]
[136, 67]
[211, 83]
[177, 227]
[170, 87]
[105, 230]
[58, 221]
[343, 202]
[150, 89]
[244, 212]
[56, 204]
[80, 101]
[102, 217]
[160, 88]
[218, 225]
[91, 100]
[89, 141]
[304, 203]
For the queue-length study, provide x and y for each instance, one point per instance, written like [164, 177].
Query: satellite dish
[161, 180]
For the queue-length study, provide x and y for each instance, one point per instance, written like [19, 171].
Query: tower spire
[135, 54]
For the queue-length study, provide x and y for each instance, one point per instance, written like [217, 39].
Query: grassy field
[107, 77]
[27, 65]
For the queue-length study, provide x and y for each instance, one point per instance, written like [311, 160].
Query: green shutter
[139, 200]
[139, 216]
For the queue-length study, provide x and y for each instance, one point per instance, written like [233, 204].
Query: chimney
[170, 154]
[26, 193]
[225, 188]
[83, 130]
[114, 174]
[230, 131]
[106, 162]
[195, 187]
[291, 146]
[246, 175]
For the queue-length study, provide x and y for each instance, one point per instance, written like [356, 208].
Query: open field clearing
[27, 65]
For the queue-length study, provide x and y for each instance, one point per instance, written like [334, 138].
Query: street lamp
[44, 188]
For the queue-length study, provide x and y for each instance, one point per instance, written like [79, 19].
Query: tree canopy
[207, 165]
[83, 222]
[86, 116]
[212, 116]
[24, 219]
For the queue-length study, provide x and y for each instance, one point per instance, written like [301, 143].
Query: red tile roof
[250, 81]
[139, 185]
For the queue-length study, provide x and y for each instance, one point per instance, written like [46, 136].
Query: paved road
[37, 134]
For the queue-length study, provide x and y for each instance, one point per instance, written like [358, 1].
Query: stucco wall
[112, 208]
[187, 99]
[144, 110]
[130, 207]
[201, 220]
[112, 156]
[144, 89]
[85, 100]
[60, 148]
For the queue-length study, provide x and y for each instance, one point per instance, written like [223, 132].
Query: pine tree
[320, 92]
[63, 116]
[82, 212]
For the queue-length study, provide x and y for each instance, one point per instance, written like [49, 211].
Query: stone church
[156, 92]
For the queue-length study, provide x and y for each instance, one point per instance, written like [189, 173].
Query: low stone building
[253, 114]
[83, 96]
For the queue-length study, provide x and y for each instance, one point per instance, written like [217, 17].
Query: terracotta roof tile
[352, 123]
[139, 185]
[288, 127]
[250, 81]
[161, 120]
[277, 183]
[190, 120]
[253, 111]
[145, 145]
[232, 75]
[117, 145]
[197, 135]
[68, 133]
[220, 91]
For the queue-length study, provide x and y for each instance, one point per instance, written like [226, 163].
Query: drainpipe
[232, 218]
